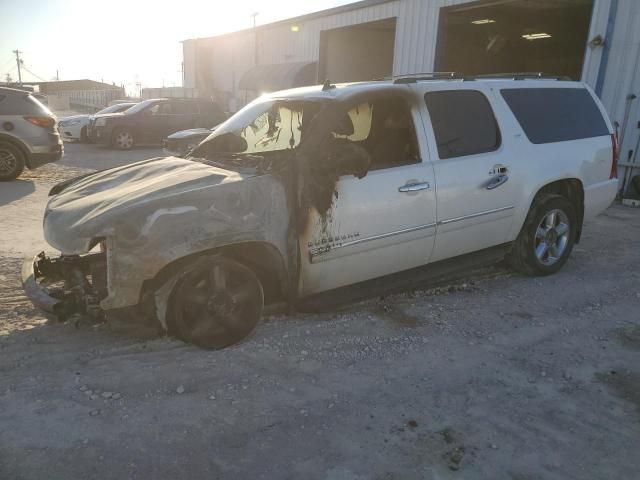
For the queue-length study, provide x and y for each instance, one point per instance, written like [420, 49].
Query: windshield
[141, 106]
[260, 127]
[119, 107]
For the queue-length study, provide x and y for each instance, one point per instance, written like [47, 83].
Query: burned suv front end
[117, 229]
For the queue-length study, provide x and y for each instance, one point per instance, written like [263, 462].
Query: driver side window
[279, 128]
[384, 128]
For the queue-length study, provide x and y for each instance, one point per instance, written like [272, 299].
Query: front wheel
[123, 139]
[547, 237]
[216, 303]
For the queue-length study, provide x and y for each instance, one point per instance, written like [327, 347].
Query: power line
[11, 59]
[18, 63]
[37, 76]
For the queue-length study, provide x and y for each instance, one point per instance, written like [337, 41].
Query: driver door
[380, 224]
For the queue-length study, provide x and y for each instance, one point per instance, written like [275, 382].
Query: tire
[12, 161]
[215, 303]
[123, 139]
[547, 236]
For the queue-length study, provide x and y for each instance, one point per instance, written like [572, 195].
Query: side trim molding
[316, 252]
[474, 215]
[321, 250]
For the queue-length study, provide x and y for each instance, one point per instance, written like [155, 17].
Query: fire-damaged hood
[128, 202]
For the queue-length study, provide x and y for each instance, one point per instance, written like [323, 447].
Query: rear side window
[184, 107]
[22, 105]
[34, 106]
[550, 115]
[463, 123]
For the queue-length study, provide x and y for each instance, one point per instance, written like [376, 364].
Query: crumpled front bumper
[66, 285]
[38, 295]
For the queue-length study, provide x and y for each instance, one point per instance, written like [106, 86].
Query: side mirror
[226, 143]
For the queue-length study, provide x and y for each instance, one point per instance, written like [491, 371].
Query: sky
[123, 41]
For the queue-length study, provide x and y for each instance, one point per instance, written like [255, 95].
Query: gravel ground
[499, 376]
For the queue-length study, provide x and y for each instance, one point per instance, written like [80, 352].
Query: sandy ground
[499, 377]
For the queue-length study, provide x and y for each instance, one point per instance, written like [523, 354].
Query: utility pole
[19, 63]
[255, 38]
[57, 75]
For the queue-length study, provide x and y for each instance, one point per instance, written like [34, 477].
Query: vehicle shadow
[15, 190]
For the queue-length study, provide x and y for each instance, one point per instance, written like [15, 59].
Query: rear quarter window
[549, 115]
[22, 105]
[463, 123]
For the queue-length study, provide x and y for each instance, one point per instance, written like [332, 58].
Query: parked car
[28, 134]
[306, 191]
[75, 127]
[182, 142]
[150, 121]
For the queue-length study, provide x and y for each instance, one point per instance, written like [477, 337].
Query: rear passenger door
[155, 122]
[476, 173]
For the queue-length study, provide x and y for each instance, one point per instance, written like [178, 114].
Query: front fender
[255, 211]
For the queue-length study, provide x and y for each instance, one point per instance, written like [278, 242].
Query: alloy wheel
[217, 303]
[8, 162]
[552, 237]
[124, 140]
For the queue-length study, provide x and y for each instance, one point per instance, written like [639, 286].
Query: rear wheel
[216, 303]
[11, 162]
[123, 139]
[547, 237]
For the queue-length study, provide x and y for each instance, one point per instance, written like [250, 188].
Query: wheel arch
[571, 188]
[19, 145]
[262, 257]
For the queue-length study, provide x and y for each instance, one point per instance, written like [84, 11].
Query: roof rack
[518, 76]
[415, 77]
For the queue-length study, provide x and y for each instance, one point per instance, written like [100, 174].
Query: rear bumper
[598, 197]
[38, 159]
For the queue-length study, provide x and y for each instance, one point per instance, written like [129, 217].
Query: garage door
[548, 36]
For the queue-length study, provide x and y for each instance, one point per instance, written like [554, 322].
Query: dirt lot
[502, 376]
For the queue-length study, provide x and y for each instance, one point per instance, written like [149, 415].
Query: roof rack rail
[415, 77]
[518, 76]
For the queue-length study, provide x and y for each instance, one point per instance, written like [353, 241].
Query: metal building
[597, 41]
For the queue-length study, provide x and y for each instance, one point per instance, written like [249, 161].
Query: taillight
[615, 156]
[44, 122]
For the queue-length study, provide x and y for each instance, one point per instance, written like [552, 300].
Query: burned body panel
[155, 212]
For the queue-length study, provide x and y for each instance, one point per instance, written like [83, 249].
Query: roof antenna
[326, 86]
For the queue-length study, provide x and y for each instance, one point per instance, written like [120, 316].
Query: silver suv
[28, 133]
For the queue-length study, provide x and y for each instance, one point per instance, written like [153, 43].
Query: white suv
[308, 190]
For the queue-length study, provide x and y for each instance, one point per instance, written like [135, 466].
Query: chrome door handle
[414, 187]
[496, 181]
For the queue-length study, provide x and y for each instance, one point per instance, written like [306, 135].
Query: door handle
[496, 181]
[414, 187]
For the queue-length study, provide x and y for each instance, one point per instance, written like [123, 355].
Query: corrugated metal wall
[416, 36]
[623, 74]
